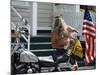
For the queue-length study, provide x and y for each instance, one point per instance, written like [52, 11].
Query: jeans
[63, 56]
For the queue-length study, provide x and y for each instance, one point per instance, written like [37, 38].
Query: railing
[24, 25]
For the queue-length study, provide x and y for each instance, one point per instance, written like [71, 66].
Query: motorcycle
[26, 62]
